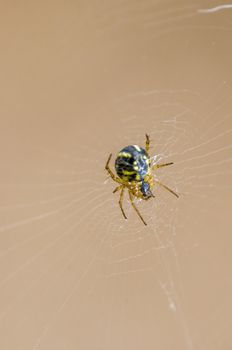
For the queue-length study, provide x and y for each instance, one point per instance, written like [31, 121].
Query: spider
[134, 170]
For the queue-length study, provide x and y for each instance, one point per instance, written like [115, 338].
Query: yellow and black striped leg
[114, 177]
[117, 189]
[166, 188]
[147, 143]
[121, 200]
[157, 166]
[135, 208]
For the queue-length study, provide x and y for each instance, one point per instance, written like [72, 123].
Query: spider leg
[117, 189]
[121, 200]
[157, 166]
[135, 208]
[108, 161]
[147, 146]
[110, 172]
[166, 188]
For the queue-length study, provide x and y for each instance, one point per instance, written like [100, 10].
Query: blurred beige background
[80, 80]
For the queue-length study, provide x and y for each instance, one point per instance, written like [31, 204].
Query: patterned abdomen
[132, 163]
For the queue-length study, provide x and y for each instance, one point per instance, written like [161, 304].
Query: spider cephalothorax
[134, 170]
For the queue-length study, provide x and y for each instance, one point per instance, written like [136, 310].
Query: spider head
[146, 190]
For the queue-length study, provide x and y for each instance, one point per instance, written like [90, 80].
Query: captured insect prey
[134, 170]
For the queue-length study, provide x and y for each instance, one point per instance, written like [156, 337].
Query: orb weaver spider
[134, 170]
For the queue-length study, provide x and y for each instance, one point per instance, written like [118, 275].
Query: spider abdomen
[132, 163]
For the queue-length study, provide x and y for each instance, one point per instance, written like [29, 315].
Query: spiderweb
[67, 255]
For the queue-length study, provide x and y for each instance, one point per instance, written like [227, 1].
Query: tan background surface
[80, 80]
